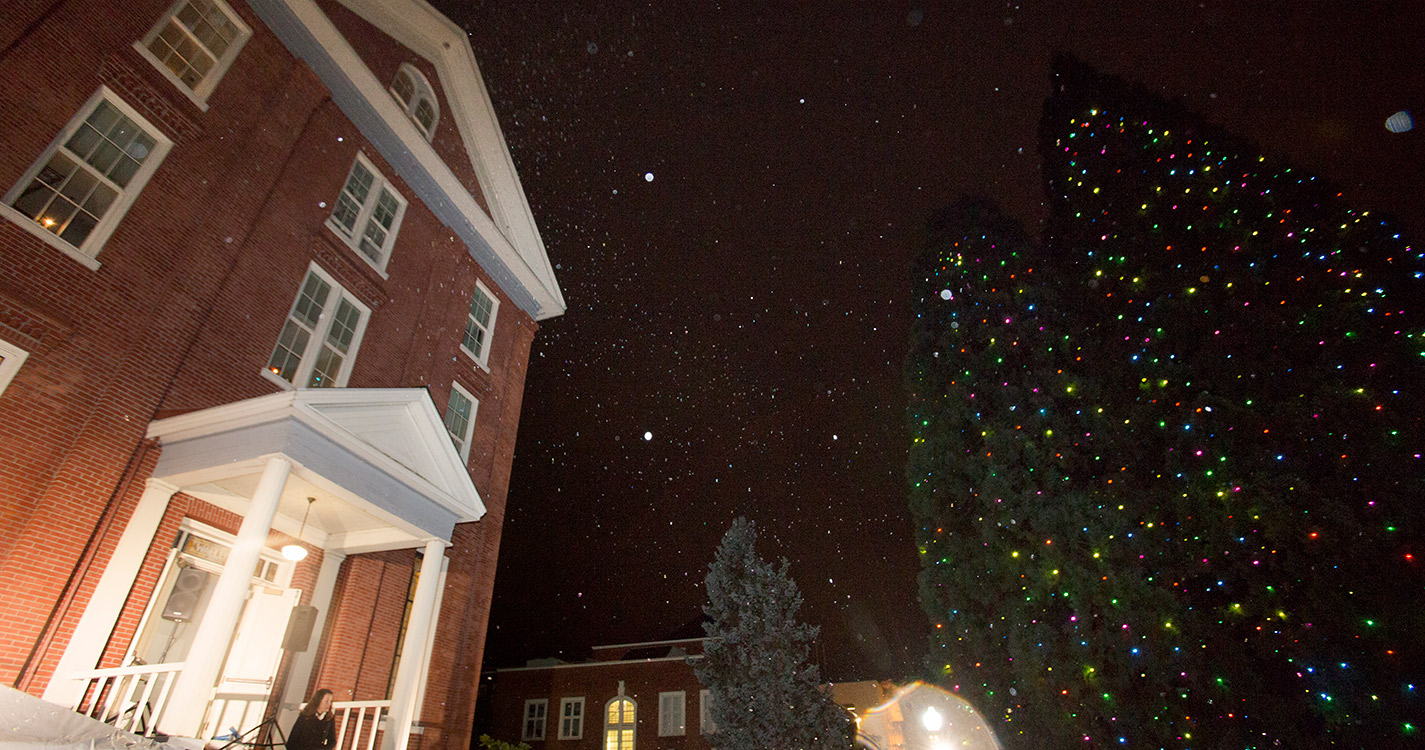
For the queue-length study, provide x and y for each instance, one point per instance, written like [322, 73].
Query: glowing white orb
[647, 436]
[946, 294]
[648, 176]
[932, 720]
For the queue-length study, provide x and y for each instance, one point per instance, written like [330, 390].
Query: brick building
[631, 696]
[268, 285]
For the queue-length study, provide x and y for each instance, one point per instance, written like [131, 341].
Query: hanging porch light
[296, 552]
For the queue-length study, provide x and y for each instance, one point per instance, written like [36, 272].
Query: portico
[382, 474]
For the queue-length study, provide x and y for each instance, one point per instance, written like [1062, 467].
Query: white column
[194, 688]
[420, 697]
[300, 673]
[92, 633]
[403, 693]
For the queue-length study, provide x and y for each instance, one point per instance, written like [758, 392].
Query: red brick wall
[183, 313]
[105, 344]
[597, 684]
[359, 650]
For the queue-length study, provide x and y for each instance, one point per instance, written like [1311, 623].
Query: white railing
[358, 723]
[131, 698]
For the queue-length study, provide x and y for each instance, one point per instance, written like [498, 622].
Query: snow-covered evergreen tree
[763, 692]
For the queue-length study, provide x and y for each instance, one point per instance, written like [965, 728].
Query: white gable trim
[516, 256]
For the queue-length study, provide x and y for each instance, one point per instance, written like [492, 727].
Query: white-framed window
[705, 723]
[460, 419]
[535, 712]
[193, 45]
[571, 719]
[413, 91]
[319, 340]
[480, 325]
[620, 719]
[368, 213]
[81, 186]
[11, 357]
[672, 708]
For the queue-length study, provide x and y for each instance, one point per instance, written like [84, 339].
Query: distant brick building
[632, 696]
[267, 278]
[629, 696]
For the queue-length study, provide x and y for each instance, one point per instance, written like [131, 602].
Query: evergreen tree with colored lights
[1166, 461]
[763, 692]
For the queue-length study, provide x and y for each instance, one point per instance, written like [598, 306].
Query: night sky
[732, 196]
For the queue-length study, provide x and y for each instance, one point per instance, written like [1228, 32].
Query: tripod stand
[261, 736]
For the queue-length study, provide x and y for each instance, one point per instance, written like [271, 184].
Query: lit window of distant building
[619, 719]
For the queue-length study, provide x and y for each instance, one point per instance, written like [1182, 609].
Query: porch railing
[359, 722]
[131, 698]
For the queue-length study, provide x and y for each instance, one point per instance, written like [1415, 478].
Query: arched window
[414, 93]
[619, 717]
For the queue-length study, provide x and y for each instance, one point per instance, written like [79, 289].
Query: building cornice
[580, 665]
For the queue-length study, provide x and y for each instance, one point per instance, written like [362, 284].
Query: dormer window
[416, 96]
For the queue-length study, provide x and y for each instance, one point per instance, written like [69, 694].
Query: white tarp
[26, 722]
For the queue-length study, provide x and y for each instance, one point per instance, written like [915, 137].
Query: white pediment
[506, 244]
[395, 430]
[401, 424]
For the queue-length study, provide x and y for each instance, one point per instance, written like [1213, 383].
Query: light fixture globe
[295, 551]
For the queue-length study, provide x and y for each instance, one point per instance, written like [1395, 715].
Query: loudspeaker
[299, 628]
[187, 591]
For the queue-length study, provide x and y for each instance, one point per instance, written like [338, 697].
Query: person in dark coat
[315, 727]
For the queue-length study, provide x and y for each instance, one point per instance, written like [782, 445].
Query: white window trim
[353, 240]
[423, 90]
[464, 448]
[199, 96]
[13, 358]
[309, 358]
[705, 722]
[664, 719]
[87, 252]
[484, 359]
[525, 733]
[579, 735]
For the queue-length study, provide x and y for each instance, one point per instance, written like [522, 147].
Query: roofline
[652, 643]
[601, 663]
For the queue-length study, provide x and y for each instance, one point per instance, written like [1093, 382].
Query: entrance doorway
[185, 588]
